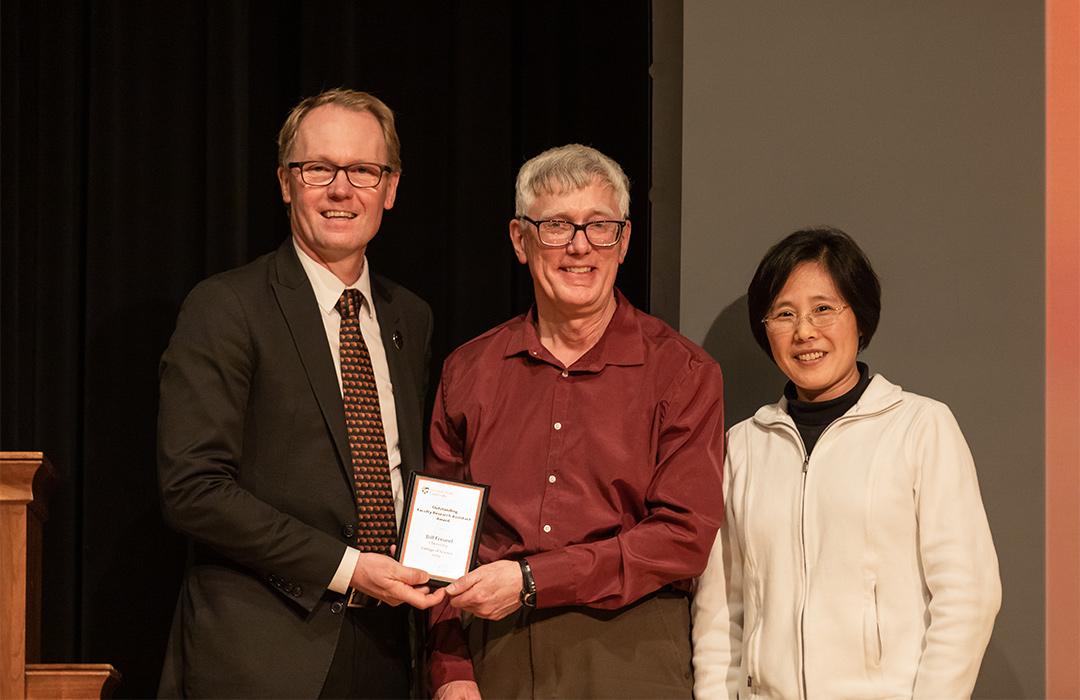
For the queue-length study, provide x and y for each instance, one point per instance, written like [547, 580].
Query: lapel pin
[398, 340]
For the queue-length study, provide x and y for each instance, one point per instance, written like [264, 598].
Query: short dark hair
[841, 257]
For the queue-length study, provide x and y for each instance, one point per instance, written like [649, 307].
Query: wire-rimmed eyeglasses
[786, 320]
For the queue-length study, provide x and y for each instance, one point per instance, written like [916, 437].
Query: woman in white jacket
[855, 560]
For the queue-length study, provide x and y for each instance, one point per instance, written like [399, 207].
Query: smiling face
[576, 280]
[335, 223]
[820, 362]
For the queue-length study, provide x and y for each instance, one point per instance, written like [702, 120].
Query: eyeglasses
[319, 173]
[786, 321]
[556, 233]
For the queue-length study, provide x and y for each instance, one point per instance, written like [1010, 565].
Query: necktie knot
[348, 304]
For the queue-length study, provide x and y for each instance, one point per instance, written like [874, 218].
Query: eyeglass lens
[562, 232]
[359, 174]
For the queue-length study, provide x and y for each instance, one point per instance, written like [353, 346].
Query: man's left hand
[491, 591]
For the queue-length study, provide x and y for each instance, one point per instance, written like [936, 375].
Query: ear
[517, 239]
[283, 182]
[391, 189]
[624, 244]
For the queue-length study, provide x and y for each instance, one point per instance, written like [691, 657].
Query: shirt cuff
[447, 668]
[556, 582]
[343, 576]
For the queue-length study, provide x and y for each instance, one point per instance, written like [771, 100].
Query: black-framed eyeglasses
[556, 233]
[320, 173]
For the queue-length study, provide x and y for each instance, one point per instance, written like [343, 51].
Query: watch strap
[528, 585]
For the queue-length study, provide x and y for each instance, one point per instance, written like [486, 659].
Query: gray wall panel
[917, 128]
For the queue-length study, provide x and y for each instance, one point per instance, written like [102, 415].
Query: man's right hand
[458, 690]
[384, 578]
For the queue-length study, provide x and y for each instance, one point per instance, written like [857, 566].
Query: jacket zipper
[805, 573]
[802, 549]
[790, 427]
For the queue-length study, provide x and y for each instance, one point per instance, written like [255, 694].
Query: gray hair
[568, 168]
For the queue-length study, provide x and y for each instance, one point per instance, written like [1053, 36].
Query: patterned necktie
[367, 441]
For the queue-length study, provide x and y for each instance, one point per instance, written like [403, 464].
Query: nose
[339, 187]
[804, 330]
[579, 244]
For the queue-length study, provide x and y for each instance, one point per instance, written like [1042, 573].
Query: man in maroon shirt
[601, 432]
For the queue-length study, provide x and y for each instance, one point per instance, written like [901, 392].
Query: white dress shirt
[328, 289]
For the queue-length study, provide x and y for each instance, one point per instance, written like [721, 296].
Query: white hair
[568, 168]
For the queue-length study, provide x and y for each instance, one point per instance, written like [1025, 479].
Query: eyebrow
[324, 159]
[595, 214]
[815, 298]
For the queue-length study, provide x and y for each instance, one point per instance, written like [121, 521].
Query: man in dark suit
[292, 396]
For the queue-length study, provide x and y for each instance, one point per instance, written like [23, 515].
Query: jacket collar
[328, 287]
[301, 311]
[880, 395]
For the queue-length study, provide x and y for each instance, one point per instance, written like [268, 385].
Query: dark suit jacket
[254, 467]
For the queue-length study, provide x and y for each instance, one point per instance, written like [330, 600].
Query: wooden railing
[25, 480]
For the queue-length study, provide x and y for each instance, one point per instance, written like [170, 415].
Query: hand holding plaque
[440, 531]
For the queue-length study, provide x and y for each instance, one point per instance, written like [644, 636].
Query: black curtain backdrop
[137, 152]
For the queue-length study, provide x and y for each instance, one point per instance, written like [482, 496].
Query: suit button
[348, 532]
[336, 607]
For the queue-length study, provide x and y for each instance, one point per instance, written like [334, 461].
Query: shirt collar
[622, 342]
[328, 287]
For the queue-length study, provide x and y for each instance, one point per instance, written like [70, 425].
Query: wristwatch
[528, 585]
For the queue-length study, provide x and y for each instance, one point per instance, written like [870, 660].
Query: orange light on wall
[1063, 348]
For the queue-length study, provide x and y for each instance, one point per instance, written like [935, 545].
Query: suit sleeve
[960, 565]
[205, 379]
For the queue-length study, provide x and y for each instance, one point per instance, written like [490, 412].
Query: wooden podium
[25, 479]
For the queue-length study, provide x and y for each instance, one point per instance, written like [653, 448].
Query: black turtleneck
[812, 417]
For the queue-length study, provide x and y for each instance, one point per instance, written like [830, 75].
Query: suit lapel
[392, 330]
[297, 302]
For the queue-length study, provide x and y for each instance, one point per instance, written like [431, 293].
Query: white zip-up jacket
[865, 571]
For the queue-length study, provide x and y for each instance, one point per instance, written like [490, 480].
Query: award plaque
[440, 529]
